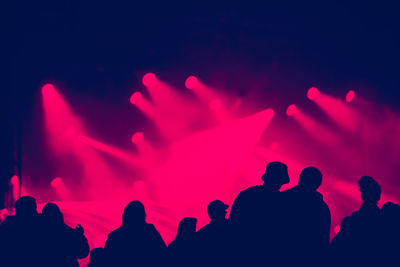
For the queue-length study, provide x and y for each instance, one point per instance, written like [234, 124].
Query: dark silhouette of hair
[52, 212]
[217, 210]
[134, 214]
[186, 228]
[306, 221]
[361, 236]
[370, 190]
[135, 243]
[182, 250]
[310, 178]
[26, 206]
[97, 258]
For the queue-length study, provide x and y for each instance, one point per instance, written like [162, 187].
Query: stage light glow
[14, 180]
[191, 82]
[56, 182]
[47, 88]
[350, 96]
[149, 79]
[137, 138]
[216, 104]
[135, 98]
[312, 93]
[291, 110]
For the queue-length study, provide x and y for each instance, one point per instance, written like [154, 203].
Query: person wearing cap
[255, 217]
[214, 238]
[359, 241]
[307, 219]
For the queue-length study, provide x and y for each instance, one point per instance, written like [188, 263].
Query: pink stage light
[137, 138]
[47, 88]
[191, 82]
[291, 110]
[312, 93]
[149, 79]
[216, 104]
[350, 96]
[56, 182]
[135, 98]
[14, 180]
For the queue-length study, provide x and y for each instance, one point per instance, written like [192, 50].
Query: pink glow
[350, 96]
[135, 98]
[149, 79]
[291, 110]
[191, 82]
[48, 88]
[312, 93]
[216, 104]
[57, 182]
[344, 115]
[137, 138]
[111, 150]
[14, 180]
[316, 130]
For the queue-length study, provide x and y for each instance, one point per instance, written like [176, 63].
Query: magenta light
[312, 93]
[191, 82]
[350, 96]
[291, 110]
[137, 138]
[149, 79]
[135, 98]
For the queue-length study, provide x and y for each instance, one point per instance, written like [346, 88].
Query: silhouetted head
[217, 210]
[186, 228]
[96, 257]
[391, 210]
[276, 175]
[25, 207]
[134, 214]
[310, 178]
[52, 213]
[370, 190]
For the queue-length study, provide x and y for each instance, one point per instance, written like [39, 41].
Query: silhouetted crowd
[266, 227]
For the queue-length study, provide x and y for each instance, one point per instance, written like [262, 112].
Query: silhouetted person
[64, 245]
[97, 258]
[214, 239]
[391, 226]
[307, 221]
[135, 243]
[359, 241]
[21, 236]
[254, 217]
[182, 250]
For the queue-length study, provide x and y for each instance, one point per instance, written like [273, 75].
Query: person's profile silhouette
[359, 241]
[306, 220]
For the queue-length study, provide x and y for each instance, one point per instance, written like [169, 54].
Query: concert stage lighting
[137, 138]
[14, 180]
[291, 110]
[135, 97]
[191, 82]
[350, 96]
[56, 182]
[216, 104]
[149, 79]
[312, 93]
[47, 88]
